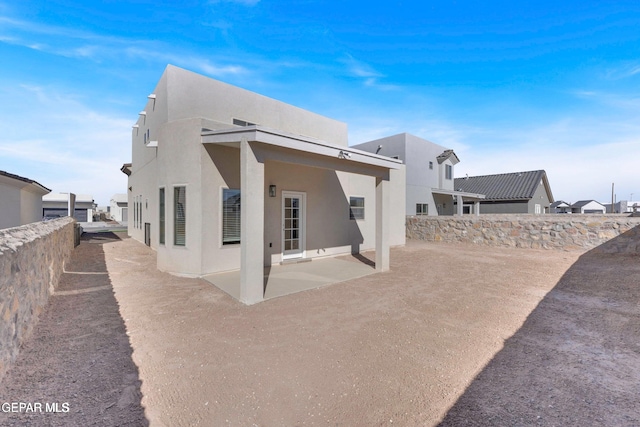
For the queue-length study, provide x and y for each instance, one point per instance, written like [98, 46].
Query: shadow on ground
[576, 359]
[78, 359]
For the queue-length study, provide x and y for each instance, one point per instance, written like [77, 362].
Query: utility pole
[612, 206]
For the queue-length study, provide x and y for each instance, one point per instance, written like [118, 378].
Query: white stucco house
[79, 206]
[119, 207]
[225, 179]
[20, 200]
[560, 206]
[430, 170]
[588, 207]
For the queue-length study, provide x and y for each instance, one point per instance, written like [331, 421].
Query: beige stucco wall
[19, 205]
[186, 103]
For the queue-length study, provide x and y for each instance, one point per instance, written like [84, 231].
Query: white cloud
[370, 77]
[63, 143]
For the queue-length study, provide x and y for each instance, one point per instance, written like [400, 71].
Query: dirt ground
[79, 354]
[453, 335]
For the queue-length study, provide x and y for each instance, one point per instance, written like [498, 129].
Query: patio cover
[257, 144]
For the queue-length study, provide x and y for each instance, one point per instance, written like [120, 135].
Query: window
[230, 216]
[430, 165]
[356, 207]
[448, 171]
[239, 122]
[422, 209]
[161, 219]
[179, 215]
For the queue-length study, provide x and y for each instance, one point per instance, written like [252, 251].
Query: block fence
[32, 258]
[555, 231]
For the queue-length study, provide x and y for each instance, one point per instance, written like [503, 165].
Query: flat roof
[299, 143]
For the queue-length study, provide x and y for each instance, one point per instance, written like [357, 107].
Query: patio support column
[460, 204]
[477, 209]
[382, 224]
[251, 225]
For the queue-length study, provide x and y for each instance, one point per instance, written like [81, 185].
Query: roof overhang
[465, 196]
[23, 183]
[334, 156]
[126, 169]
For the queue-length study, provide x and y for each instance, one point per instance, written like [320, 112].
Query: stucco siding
[191, 96]
[10, 206]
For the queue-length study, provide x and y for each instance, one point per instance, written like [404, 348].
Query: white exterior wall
[184, 104]
[20, 202]
[593, 205]
[416, 153]
[10, 206]
[115, 210]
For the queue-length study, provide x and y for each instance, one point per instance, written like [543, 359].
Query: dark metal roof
[446, 155]
[581, 203]
[23, 179]
[506, 186]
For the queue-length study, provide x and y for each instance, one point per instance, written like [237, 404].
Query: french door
[293, 224]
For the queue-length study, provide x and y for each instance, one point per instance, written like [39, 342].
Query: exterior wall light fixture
[344, 155]
[272, 191]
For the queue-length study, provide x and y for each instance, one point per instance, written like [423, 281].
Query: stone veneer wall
[552, 231]
[32, 258]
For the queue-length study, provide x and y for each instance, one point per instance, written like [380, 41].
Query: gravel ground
[453, 335]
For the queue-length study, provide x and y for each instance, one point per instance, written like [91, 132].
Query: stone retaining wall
[32, 258]
[621, 233]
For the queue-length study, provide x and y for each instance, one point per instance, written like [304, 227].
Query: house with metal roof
[515, 192]
[560, 206]
[20, 200]
[430, 171]
[588, 207]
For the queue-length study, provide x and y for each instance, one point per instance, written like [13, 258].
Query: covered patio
[289, 278]
[459, 199]
[258, 145]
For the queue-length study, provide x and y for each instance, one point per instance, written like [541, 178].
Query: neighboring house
[226, 179]
[430, 172]
[560, 206]
[623, 206]
[516, 192]
[118, 207]
[80, 206]
[20, 200]
[588, 207]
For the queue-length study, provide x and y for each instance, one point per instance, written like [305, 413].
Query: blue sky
[510, 86]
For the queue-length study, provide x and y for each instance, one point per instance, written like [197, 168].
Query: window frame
[421, 206]
[176, 226]
[162, 215]
[228, 240]
[448, 172]
[352, 214]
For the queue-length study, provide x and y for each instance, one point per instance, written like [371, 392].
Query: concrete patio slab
[289, 278]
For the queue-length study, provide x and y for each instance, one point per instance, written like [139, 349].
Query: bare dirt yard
[453, 335]
[458, 334]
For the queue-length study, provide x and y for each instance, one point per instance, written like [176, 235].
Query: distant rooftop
[23, 179]
[506, 186]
